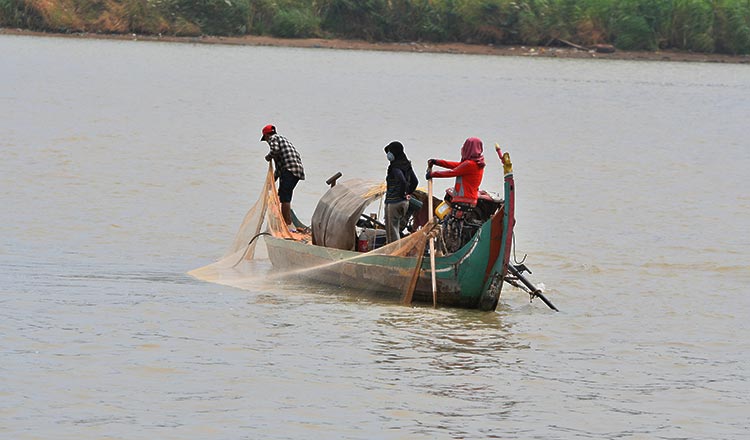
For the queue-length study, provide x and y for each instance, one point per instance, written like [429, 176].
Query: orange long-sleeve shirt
[468, 176]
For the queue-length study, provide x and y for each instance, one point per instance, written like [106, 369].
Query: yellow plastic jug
[442, 210]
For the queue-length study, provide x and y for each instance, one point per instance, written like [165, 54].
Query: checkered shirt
[286, 156]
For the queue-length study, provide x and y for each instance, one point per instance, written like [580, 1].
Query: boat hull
[461, 277]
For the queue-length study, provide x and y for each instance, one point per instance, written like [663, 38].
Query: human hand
[268, 157]
[431, 162]
[428, 176]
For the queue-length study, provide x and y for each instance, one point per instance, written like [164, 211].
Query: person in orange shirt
[468, 172]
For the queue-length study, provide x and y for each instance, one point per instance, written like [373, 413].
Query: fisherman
[400, 184]
[460, 225]
[468, 173]
[288, 169]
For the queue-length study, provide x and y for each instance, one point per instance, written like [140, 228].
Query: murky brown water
[123, 165]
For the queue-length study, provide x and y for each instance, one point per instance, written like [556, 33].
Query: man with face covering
[401, 182]
[468, 172]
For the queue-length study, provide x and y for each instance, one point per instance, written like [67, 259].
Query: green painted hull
[460, 276]
[469, 278]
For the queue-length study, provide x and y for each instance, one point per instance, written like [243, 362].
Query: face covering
[390, 157]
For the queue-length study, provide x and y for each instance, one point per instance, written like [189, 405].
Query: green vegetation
[710, 26]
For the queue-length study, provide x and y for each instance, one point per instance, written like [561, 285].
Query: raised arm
[459, 169]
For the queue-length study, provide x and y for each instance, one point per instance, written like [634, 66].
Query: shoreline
[418, 47]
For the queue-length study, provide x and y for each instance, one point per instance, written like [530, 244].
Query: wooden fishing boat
[471, 277]
[470, 273]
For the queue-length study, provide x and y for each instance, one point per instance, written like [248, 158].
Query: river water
[125, 164]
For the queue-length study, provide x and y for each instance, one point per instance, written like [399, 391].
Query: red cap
[268, 129]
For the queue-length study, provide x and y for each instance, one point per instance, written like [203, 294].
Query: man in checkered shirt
[288, 169]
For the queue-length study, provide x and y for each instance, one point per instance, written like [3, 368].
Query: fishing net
[334, 226]
[245, 241]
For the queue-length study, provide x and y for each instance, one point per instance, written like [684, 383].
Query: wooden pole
[432, 242]
[409, 294]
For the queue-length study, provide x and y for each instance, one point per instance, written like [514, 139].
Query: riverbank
[457, 48]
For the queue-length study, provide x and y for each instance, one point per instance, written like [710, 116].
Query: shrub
[489, 21]
[146, 16]
[732, 28]
[633, 33]
[355, 18]
[690, 26]
[295, 23]
[10, 13]
[215, 17]
[634, 23]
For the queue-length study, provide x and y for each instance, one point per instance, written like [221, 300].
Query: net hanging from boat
[245, 240]
[333, 225]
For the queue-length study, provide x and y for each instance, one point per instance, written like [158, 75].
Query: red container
[363, 245]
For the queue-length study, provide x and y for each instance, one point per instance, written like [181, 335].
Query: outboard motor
[463, 221]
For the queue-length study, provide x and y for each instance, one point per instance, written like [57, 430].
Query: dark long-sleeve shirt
[399, 184]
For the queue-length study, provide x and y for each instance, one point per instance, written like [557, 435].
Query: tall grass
[714, 26]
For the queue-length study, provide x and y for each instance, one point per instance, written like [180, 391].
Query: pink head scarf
[472, 150]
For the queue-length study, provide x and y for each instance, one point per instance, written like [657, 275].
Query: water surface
[125, 164]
